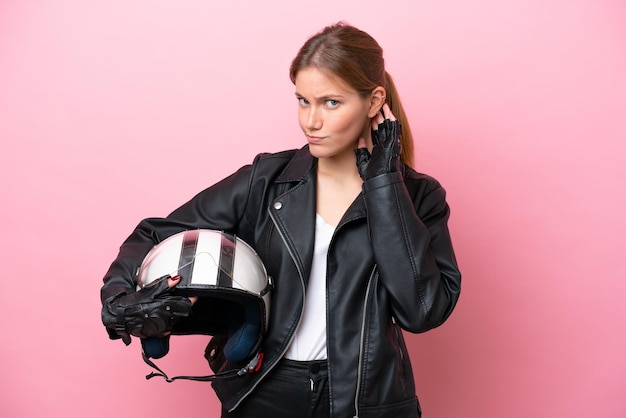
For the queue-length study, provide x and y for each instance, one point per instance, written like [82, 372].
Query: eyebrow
[322, 98]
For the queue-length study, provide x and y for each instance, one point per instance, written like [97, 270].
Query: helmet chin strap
[253, 366]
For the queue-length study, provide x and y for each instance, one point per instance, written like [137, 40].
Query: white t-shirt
[309, 342]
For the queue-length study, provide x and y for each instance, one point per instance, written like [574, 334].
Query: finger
[173, 281]
[377, 120]
[362, 158]
[388, 113]
[361, 143]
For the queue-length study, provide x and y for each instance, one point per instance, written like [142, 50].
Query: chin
[317, 151]
[321, 152]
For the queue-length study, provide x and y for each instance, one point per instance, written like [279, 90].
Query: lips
[314, 139]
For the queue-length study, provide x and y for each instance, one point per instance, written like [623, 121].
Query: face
[332, 115]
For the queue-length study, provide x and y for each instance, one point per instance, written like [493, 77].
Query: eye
[302, 101]
[332, 103]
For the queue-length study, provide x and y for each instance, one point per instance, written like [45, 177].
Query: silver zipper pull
[312, 384]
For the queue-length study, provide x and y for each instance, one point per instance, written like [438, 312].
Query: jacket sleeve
[412, 248]
[218, 207]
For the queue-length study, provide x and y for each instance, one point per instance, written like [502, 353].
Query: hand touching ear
[385, 156]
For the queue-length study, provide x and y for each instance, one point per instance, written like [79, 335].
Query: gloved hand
[385, 157]
[149, 312]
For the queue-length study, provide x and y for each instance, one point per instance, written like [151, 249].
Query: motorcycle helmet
[231, 284]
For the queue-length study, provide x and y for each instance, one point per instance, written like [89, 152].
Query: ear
[377, 100]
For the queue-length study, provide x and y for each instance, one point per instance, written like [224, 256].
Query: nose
[314, 119]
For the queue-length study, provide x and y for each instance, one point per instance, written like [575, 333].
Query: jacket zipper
[282, 237]
[359, 375]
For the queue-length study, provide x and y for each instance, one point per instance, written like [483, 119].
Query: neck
[342, 169]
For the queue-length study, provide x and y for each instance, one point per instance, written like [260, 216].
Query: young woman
[355, 240]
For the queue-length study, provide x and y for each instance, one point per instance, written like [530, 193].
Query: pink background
[112, 111]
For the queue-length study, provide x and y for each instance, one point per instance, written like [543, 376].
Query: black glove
[385, 157]
[149, 312]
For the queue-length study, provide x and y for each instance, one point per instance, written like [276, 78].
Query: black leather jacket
[391, 267]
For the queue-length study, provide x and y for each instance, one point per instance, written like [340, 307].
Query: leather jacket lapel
[293, 211]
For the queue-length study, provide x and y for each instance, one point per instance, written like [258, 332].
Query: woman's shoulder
[275, 156]
[423, 180]
[289, 165]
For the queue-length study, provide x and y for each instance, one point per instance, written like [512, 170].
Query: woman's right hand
[149, 312]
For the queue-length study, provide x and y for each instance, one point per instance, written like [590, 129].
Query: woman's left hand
[385, 157]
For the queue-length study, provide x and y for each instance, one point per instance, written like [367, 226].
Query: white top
[309, 342]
